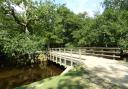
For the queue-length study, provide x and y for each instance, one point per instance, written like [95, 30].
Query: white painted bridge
[65, 58]
[70, 57]
[93, 59]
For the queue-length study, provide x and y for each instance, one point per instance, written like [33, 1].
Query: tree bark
[24, 25]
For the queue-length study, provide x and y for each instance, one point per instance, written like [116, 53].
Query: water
[14, 77]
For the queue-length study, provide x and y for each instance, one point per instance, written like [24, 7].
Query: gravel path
[111, 70]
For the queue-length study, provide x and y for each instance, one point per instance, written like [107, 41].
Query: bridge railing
[63, 59]
[112, 53]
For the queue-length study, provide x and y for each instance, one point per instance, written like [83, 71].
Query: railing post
[60, 60]
[65, 58]
[102, 52]
[80, 54]
[59, 49]
[85, 51]
[71, 58]
[60, 56]
[56, 59]
[53, 57]
[113, 56]
[92, 51]
[64, 51]
[50, 54]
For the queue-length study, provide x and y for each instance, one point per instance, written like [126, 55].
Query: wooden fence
[112, 53]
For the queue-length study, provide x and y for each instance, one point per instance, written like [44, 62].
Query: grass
[78, 78]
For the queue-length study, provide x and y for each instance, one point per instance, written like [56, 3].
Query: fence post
[71, 58]
[80, 54]
[64, 51]
[85, 51]
[102, 52]
[50, 54]
[113, 56]
[56, 59]
[59, 49]
[60, 56]
[53, 57]
[65, 57]
[124, 55]
[92, 49]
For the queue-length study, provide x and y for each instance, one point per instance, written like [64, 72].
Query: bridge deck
[108, 69]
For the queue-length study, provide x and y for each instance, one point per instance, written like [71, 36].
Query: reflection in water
[14, 77]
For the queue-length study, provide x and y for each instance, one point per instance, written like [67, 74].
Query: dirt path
[108, 69]
[111, 70]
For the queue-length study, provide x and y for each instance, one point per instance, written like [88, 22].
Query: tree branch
[12, 12]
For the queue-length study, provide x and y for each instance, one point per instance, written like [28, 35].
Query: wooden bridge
[71, 57]
[102, 61]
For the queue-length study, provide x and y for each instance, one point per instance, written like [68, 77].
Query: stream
[11, 77]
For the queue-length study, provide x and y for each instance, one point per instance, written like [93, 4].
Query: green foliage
[18, 43]
[116, 4]
[38, 21]
[107, 30]
[51, 25]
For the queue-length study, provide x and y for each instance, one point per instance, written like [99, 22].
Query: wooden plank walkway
[111, 70]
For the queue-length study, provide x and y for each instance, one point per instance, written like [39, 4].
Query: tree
[116, 13]
[116, 4]
[25, 32]
[68, 23]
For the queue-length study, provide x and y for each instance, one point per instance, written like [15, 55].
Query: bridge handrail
[110, 48]
[95, 51]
